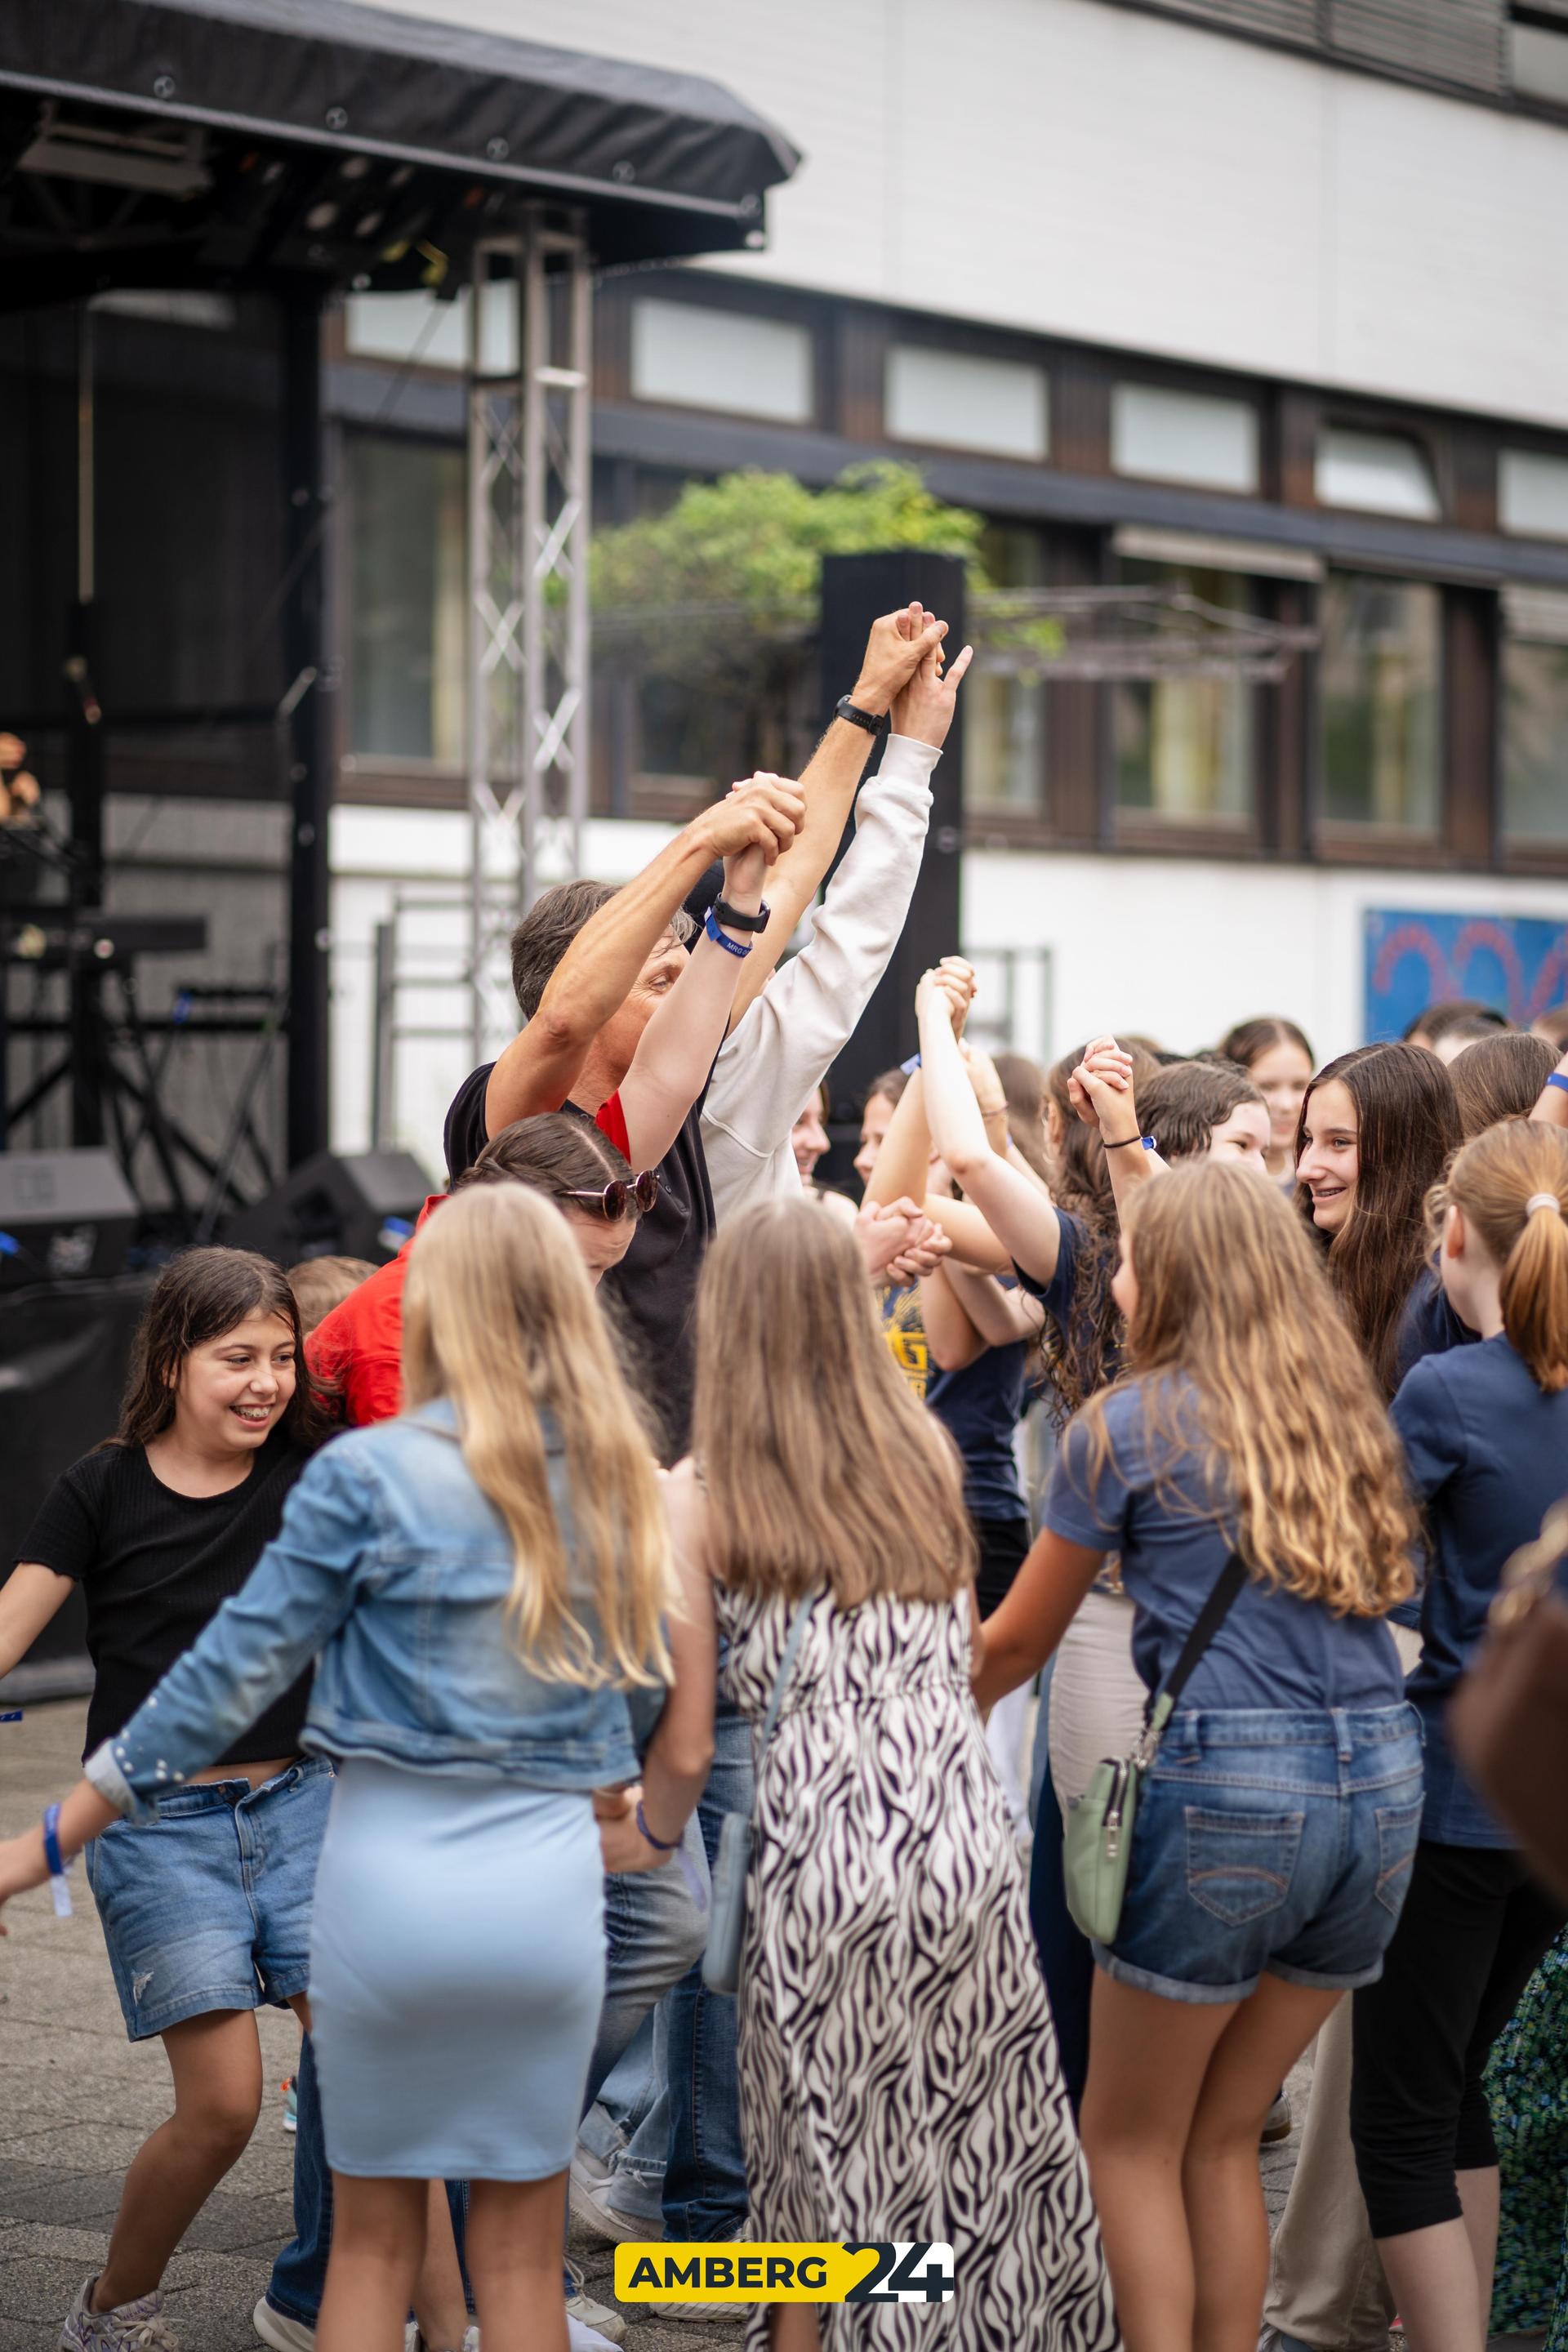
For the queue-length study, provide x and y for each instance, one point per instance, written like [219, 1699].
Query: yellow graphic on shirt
[906, 1335]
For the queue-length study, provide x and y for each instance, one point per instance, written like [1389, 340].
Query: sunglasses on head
[620, 1193]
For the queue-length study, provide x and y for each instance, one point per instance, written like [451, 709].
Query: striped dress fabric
[898, 2075]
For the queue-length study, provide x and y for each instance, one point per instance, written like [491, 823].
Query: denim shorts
[1269, 1842]
[208, 1906]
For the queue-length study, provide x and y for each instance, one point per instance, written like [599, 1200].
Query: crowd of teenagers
[444, 1612]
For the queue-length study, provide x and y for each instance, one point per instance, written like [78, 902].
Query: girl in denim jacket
[482, 1581]
[1275, 1830]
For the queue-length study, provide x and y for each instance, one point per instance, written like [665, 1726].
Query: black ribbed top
[154, 1567]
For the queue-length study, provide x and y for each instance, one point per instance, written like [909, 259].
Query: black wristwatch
[733, 921]
[869, 719]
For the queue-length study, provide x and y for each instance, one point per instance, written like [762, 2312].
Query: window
[1535, 717]
[699, 357]
[1184, 746]
[1538, 60]
[409, 606]
[1183, 436]
[1004, 695]
[1533, 493]
[416, 327]
[1380, 473]
[965, 402]
[1381, 667]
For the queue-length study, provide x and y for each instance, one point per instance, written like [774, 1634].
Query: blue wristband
[56, 1862]
[721, 938]
[1557, 1079]
[910, 1066]
[659, 1843]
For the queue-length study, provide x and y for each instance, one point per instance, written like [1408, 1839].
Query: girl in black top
[206, 1912]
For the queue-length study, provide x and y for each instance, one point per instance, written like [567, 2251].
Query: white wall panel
[1066, 165]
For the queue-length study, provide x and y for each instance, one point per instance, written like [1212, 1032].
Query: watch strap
[735, 920]
[852, 711]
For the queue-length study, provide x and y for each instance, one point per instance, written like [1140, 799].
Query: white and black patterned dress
[898, 2075]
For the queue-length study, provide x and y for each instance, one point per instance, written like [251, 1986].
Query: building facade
[1261, 301]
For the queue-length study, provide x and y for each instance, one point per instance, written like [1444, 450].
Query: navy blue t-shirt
[1428, 1324]
[1153, 1503]
[1071, 1314]
[1488, 1452]
[980, 1408]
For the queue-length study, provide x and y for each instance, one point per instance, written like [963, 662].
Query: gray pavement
[77, 2100]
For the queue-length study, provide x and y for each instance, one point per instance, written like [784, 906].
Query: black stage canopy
[246, 142]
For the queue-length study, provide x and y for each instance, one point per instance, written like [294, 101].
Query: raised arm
[676, 1050]
[951, 1334]
[538, 1069]
[898, 644]
[1101, 1092]
[999, 1315]
[1018, 1212]
[1552, 1107]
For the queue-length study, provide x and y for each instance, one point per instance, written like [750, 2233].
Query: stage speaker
[355, 1204]
[64, 1350]
[63, 1214]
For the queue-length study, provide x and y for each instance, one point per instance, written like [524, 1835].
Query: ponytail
[1512, 1184]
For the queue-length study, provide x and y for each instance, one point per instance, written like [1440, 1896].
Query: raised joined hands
[765, 813]
[1101, 1087]
[898, 1242]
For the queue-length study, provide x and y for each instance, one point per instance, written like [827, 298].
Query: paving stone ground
[77, 2100]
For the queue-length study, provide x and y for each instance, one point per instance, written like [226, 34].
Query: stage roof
[242, 142]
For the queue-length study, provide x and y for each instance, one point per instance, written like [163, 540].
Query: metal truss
[528, 479]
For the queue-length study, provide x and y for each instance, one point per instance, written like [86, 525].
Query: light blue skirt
[456, 1975]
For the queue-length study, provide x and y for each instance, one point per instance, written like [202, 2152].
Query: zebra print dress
[898, 2064]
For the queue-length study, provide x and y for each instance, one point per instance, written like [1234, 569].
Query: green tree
[721, 592]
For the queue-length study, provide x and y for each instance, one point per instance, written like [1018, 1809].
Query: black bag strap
[1162, 1703]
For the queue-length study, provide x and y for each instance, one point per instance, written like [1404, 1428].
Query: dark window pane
[1535, 742]
[408, 606]
[1004, 741]
[686, 734]
[1184, 746]
[1381, 666]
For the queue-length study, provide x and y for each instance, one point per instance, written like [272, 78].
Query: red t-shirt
[356, 1351]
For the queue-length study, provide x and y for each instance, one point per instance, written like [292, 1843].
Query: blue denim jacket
[391, 1570]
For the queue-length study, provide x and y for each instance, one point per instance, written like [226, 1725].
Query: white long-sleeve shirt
[780, 1049]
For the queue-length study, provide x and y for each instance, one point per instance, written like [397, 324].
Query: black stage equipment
[63, 1214]
[65, 1348]
[357, 1204]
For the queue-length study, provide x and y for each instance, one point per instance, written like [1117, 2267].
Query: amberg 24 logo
[883, 2271]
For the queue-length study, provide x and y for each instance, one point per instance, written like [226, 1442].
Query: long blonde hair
[1233, 1298]
[498, 1316]
[818, 1461]
[1492, 1179]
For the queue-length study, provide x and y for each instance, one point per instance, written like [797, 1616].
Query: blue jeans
[703, 2192]
[208, 1906]
[1269, 1840]
[654, 1932]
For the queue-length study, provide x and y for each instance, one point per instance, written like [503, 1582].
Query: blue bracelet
[721, 938]
[1557, 1079]
[52, 1841]
[657, 1844]
[58, 1885]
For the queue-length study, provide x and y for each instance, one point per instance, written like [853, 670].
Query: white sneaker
[589, 2324]
[286, 2335]
[720, 2314]
[591, 2202]
[138, 2326]
[580, 2337]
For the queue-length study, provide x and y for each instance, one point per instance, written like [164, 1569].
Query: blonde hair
[1233, 1296]
[498, 1316]
[1493, 1179]
[818, 1461]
